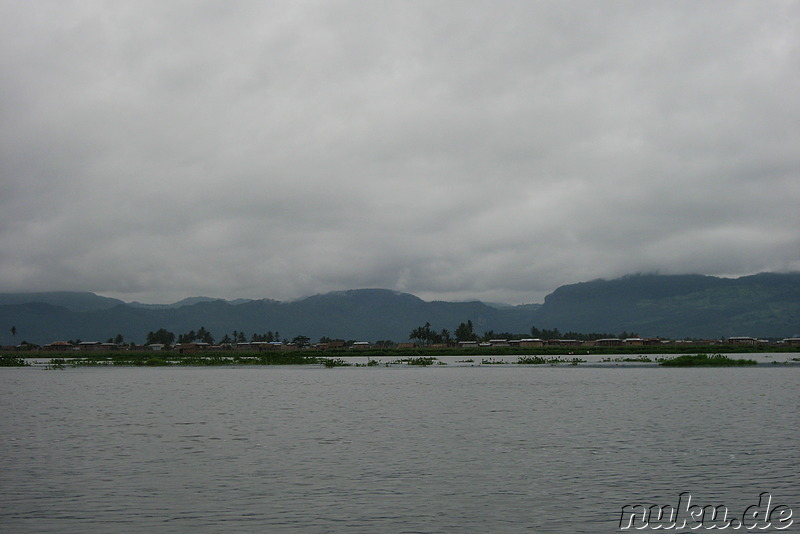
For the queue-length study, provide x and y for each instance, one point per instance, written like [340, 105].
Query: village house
[264, 346]
[191, 348]
[58, 346]
[652, 341]
[563, 342]
[330, 345]
[633, 341]
[742, 340]
[608, 342]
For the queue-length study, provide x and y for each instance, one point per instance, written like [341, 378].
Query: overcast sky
[456, 150]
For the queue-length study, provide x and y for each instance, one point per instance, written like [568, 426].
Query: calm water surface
[490, 449]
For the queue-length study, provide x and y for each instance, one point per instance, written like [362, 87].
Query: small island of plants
[704, 360]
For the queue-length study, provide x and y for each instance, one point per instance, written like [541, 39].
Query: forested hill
[763, 305]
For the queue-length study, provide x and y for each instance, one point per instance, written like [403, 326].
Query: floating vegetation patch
[370, 363]
[7, 360]
[148, 359]
[704, 360]
[638, 359]
[538, 360]
[334, 362]
[422, 360]
[532, 360]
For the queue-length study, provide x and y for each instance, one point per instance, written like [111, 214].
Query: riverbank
[170, 359]
[550, 350]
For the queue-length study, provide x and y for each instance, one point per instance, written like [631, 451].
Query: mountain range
[764, 305]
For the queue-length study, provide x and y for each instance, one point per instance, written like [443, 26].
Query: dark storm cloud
[155, 150]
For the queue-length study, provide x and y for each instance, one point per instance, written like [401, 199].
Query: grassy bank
[150, 359]
[555, 351]
[415, 356]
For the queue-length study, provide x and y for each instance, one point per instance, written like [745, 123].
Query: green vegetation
[638, 359]
[202, 335]
[423, 361]
[532, 360]
[553, 350]
[466, 332]
[160, 336]
[56, 363]
[544, 333]
[704, 360]
[425, 336]
[166, 358]
[334, 362]
[370, 363]
[538, 360]
[696, 355]
[8, 360]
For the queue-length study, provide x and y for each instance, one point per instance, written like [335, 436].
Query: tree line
[425, 335]
[162, 336]
[422, 335]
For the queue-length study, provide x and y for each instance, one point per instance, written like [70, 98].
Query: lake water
[449, 449]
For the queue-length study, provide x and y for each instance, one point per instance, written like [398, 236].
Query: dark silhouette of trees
[202, 336]
[465, 332]
[160, 336]
[425, 335]
[301, 341]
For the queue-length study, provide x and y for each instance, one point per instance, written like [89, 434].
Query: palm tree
[14, 335]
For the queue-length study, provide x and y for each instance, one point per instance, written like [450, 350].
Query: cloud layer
[454, 150]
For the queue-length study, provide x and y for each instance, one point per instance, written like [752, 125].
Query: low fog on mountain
[154, 151]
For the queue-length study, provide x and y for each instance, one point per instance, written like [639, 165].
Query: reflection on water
[436, 449]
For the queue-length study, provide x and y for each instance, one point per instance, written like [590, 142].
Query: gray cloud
[454, 150]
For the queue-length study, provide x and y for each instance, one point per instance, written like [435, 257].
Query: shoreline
[763, 359]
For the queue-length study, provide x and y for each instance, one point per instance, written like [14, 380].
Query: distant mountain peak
[72, 300]
[190, 301]
[365, 293]
[697, 306]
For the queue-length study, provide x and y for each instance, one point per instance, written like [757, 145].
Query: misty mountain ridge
[189, 301]
[669, 306]
[71, 300]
